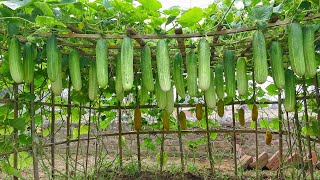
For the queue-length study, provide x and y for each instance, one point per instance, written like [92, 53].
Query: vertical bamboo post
[289, 134]
[234, 141]
[208, 140]
[162, 149]
[34, 138]
[15, 132]
[78, 142]
[316, 85]
[138, 134]
[307, 125]
[256, 124]
[120, 135]
[298, 130]
[280, 175]
[97, 139]
[180, 139]
[52, 135]
[68, 129]
[88, 141]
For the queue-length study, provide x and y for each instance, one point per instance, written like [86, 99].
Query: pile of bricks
[266, 162]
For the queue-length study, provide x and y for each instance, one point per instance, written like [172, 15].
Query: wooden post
[256, 123]
[208, 140]
[15, 131]
[52, 135]
[120, 135]
[307, 125]
[280, 175]
[34, 138]
[68, 129]
[78, 142]
[234, 142]
[162, 149]
[298, 132]
[180, 141]
[88, 142]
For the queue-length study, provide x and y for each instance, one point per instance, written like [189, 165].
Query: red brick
[261, 162]
[318, 165]
[274, 162]
[313, 157]
[245, 161]
[294, 158]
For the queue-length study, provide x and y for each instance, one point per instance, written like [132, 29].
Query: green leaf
[8, 169]
[264, 123]
[272, 90]
[48, 21]
[305, 5]
[191, 17]
[18, 123]
[275, 124]
[213, 136]
[252, 124]
[261, 15]
[172, 11]
[24, 159]
[148, 144]
[44, 7]
[151, 5]
[16, 4]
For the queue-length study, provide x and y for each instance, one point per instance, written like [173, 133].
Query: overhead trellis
[120, 23]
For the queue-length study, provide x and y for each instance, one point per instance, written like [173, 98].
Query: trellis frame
[179, 36]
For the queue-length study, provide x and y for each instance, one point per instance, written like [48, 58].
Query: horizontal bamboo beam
[190, 35]
[222, 131]
[140, 106]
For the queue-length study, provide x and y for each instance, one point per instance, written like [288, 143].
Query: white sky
[185, 4]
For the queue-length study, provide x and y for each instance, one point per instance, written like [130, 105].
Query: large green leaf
[44, 7]
[48, 21]
[8, 169]
[152, 5]
[18, 123]
[261, 15]
[191, 17]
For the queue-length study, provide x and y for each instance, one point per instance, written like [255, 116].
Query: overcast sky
[185, 4]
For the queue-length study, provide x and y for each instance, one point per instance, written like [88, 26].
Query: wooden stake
[34, 138]
[209, 141]
[15, 131]
[52, 135]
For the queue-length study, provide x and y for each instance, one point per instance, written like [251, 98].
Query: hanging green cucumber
[204, 64]
[163, 65]
[259, 57]
[295, 45]
[52, 58]
[242, 78]
[74, 70]
[277, 65]
[191, 61]
[178, 75]
[102, 62]
[28, 63]
[229, 73]
[127, 63]
[15, 63]
[146, 68]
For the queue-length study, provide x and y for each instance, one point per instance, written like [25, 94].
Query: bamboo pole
[222, 131]
[34, 138]
[97, 141]
[88, 142]
[68, 130]
[52, 135]
[180, 141]
[255, 125]
[120, 135]
[162, 149]
[280, 175]
[78, 139]
[141, 106]
[234, 142]
[307, 126]
[316, 84]
[208, 141]
[190, 35]
[298, 133]
[15, 131]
